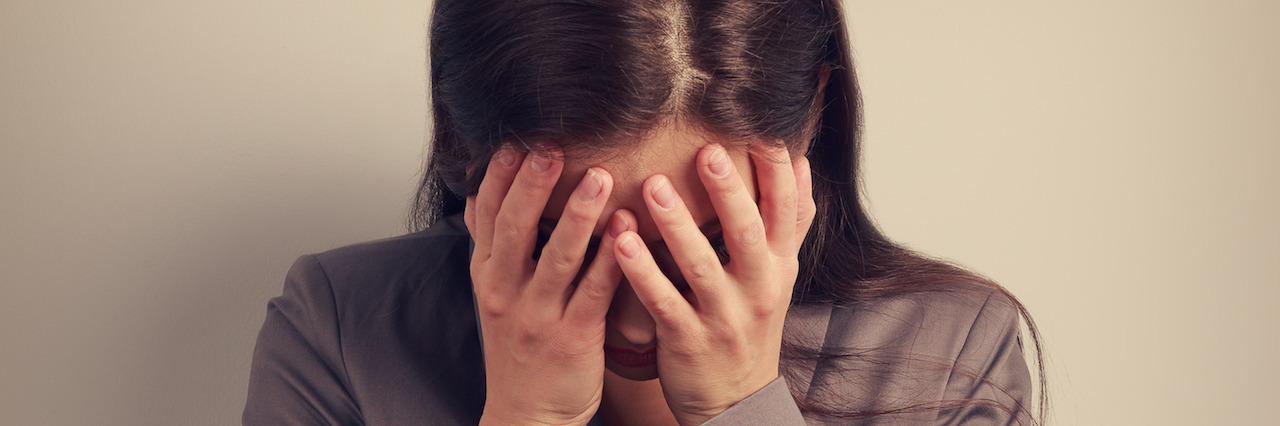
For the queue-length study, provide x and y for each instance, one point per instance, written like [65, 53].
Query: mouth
[632, 358]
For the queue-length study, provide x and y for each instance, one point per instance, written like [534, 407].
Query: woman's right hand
[543, 336]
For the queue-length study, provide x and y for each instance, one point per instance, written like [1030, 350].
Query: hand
[543, 337]
[722, 344]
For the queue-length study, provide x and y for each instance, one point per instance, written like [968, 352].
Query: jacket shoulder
[955, 342]
[437, 254]
[376, 332]
[420, 249]
[937, 320]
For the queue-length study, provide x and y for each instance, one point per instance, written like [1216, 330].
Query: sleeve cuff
[771, 405]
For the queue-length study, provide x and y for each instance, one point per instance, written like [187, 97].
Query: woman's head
[639, 86]
[602, 79]
[594, 77]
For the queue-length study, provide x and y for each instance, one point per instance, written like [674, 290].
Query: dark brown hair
[593, 74]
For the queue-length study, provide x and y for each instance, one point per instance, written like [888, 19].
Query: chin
[638, 374]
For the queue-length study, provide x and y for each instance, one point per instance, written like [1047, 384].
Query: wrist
[689, 415]
[496, 417]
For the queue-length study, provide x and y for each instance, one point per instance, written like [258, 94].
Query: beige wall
[162, 163]
[1111, 162]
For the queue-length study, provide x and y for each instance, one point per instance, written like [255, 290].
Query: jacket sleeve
[771, 405]
[990, 372]
[298, 376]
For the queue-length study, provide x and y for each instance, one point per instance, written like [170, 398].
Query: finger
[698, 263]
[590, 303]
[562, 256]
[497, 180]
[515, 228]
[806, 209]
[469, 216]
[665, 304]
[744, 231]
[469, 210]
[777, 183]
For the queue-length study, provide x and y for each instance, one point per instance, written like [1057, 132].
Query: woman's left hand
[722, 343]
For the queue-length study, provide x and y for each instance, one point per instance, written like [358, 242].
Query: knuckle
[808, 201]
[789, 201]
[728, 188]
[803, 223]
[750, 236]
[663, 307]
[535, 185]
[701, 269]
[486, 206]
[807, 210]
[673, 224]
[505, 229]
[766, 302]
[492, 305]
[579, 218]
[593, 292]
[560, 260]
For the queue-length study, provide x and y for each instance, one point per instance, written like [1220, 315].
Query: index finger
[777, 181]
[806, 208]
[740, 221]
[493, 189]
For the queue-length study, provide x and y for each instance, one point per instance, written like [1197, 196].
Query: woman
[639, 212]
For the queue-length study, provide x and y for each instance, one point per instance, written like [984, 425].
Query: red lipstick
[632, 358]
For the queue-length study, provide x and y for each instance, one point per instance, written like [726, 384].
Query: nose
[628, 316]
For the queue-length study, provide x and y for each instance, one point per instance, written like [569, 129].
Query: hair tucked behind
[588, 75]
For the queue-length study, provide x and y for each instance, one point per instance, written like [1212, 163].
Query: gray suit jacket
[385, 333]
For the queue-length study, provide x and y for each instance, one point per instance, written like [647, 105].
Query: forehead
[647, 154]
[670, 151]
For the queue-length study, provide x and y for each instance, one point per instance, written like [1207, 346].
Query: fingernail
[718, 163]
[629, 247]
[539, 163]
[617, 226]
[663, 195]
[505, 158]
[591, 186]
